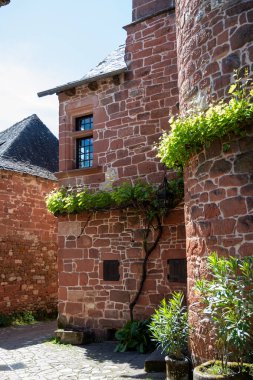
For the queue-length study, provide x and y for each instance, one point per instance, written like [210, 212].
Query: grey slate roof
[29, 147]
[4, 2]
[113, 64]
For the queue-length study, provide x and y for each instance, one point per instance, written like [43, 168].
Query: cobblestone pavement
[25, 354]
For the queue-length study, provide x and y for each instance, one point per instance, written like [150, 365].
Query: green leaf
[232, 88]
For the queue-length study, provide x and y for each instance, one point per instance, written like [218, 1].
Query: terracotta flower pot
[177, 369]
[199, 372]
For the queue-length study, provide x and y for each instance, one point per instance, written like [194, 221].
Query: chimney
[148, 8]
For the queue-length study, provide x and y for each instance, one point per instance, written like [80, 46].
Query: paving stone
[26, 355]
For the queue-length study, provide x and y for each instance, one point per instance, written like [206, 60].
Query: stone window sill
[78, 172]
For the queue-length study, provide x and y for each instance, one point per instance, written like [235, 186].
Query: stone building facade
[28, 233]
[176, 57]
[130, 106]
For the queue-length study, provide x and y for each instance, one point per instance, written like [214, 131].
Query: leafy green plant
[135, 336]
[16, 319]
[56, 340]
[140, 195]
[169, 326]
[190, 133]
[45, 315]
[25, 317]
[5, 320]
[227, 300]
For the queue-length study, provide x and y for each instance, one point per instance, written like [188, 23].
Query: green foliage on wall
[140, 195]
[189, 134]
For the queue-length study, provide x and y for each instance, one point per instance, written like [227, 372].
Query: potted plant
[227, 300]
[169, 329]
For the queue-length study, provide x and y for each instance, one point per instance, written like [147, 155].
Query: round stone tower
[214, 37]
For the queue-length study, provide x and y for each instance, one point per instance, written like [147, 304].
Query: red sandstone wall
[130, 113]
[213, 38]
[28, 244]
[128, 116]
[219, 215]
[84, 297]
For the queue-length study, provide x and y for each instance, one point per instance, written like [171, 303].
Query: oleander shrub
[169, 326]
[226, 299]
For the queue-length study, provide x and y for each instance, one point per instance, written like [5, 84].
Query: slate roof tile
[114, 63]
[29, 147]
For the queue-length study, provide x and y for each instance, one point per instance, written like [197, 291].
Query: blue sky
[45, 43]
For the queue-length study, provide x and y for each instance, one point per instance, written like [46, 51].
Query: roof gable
[113, 64]
[29, 146]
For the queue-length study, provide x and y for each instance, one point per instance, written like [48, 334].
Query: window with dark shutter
[111, 270]
[177, 270]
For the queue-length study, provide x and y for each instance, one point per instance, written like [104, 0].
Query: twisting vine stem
[148, 250]
[151, 201]
[85, 225]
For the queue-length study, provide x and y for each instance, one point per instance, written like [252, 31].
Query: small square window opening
[177, 270]
[111, 270]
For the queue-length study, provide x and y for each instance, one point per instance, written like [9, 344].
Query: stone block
[246, 249]
[243, 163]
[230, 63]
[223, 226]
[233, 206]
[74, 337]
[220, 167]
[69, 228]
[233, 180]
[84, 241]
[241, 36]
[245, 224]
[119, 296]
[211, 210]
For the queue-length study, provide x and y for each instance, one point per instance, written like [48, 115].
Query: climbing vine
[153, 202]
[190, 133]
[140, 195]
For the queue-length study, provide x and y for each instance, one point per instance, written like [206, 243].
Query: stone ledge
[74, 337]
[78, 172]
